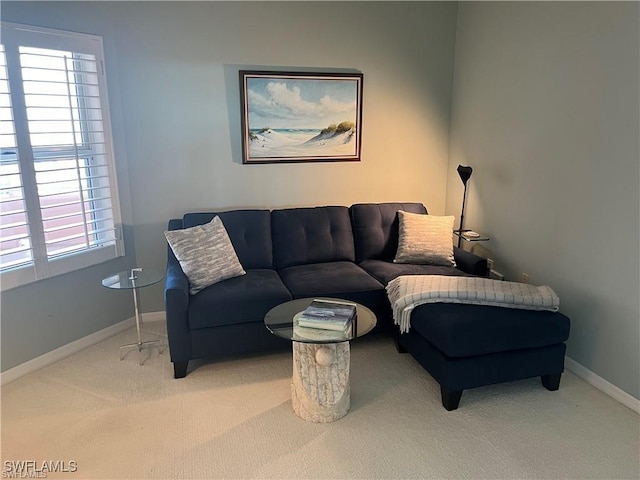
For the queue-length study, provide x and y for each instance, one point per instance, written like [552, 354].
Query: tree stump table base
[320, 386]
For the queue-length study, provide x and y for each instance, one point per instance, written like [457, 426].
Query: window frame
[43, 265]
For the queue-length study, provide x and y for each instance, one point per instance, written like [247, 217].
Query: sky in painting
[295, 103]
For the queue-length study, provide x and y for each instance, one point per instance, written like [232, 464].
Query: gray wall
[546, 109]
[173, 85]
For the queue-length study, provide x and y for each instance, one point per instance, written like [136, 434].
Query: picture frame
[300, 117]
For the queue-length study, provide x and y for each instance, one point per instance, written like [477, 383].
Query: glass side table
[470, 236]
[133, 280]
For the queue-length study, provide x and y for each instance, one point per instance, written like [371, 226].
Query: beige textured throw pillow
[205, 253]
[425, 239]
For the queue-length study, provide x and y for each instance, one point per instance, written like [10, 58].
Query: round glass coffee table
[320, 390]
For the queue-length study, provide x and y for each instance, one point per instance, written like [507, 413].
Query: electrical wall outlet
[525, 277]
[490, 264]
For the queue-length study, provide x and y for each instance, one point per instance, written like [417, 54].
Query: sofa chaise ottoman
[466, 346]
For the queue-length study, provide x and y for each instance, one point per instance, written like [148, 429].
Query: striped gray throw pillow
[205, 253]
[425, 239]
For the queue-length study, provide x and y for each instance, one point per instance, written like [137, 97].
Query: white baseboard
[601, 384]
[154, 317]
[74, 347]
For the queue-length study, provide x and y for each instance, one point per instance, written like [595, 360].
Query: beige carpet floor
[233, 419]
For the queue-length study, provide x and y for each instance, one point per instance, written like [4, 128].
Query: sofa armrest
[176, 284]
[176, 281]
[470, 262]
[176, 299]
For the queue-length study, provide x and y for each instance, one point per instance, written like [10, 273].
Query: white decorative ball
[324, 356]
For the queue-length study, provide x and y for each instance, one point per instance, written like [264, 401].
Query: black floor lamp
[465, 174]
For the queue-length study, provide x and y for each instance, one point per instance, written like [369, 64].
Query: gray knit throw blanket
[408, 291]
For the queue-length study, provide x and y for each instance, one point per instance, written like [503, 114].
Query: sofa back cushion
[375, 228]
[311, 235]
[249, 231]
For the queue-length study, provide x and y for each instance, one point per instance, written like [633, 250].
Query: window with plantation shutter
[59, 205]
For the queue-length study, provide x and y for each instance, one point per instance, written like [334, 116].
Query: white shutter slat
[75, 236]
[43, 164]
[88, 211]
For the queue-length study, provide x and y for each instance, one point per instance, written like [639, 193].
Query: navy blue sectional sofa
[330, 251]
[347, 252]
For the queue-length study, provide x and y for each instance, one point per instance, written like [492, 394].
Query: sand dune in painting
[271, 143]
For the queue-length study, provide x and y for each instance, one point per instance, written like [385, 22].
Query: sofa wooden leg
[450, 400]
[180, 369]
[399, 346]
[551, 382]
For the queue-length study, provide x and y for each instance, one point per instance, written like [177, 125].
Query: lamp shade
[465, 173]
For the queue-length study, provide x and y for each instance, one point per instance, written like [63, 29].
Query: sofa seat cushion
[385, 271]
[237, 300]
[333, 279]
[460, 330]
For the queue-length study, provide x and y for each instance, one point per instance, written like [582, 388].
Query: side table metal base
[141, 346]
[163, 341]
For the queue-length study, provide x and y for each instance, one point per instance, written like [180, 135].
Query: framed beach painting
[292, 117]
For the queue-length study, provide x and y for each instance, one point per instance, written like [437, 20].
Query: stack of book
[328, 315]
